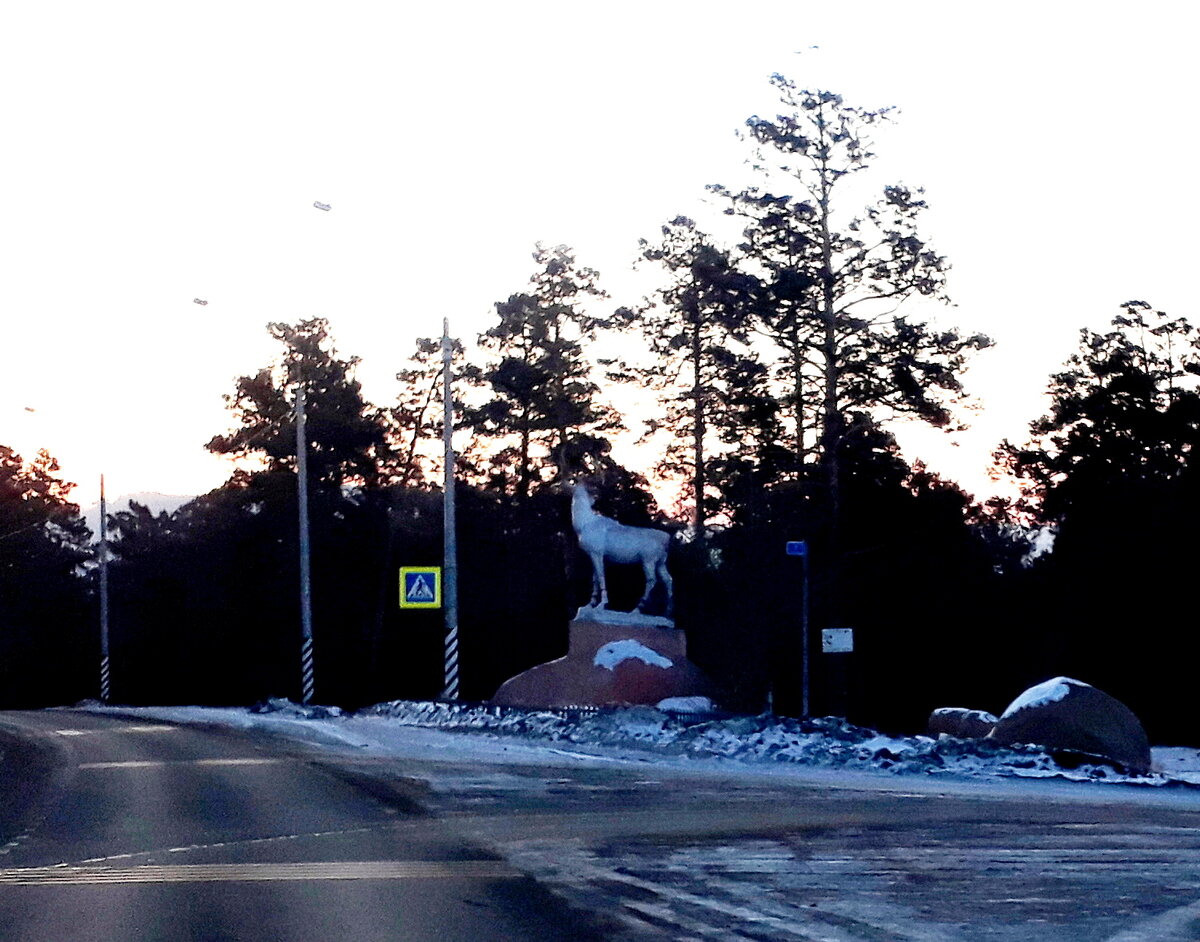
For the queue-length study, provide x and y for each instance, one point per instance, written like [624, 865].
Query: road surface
[121, 831]
[863, 859]
[160, 831]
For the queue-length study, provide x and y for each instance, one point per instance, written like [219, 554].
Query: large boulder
[961, 723]
[612, 661]
[1072, 716]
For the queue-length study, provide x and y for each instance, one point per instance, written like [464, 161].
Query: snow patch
[615, 652]
[982, 715]
[1051, 691]
[686, 705]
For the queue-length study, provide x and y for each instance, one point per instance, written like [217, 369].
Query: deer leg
[651, 581]
[599, 588]
[669, 583]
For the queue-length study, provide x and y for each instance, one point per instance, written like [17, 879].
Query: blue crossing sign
[797, 548]
[421, 587]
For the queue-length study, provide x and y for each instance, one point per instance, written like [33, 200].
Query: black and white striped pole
[103, 551]
[306, 642]
[449, 545]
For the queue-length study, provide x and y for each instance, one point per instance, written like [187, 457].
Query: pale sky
[161, 152]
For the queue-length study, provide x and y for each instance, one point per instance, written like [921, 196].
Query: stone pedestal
[613, 658]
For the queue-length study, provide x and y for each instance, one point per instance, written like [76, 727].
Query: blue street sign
[421, 587]
[797, 548]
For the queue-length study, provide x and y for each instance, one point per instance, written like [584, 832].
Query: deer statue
[602, 538]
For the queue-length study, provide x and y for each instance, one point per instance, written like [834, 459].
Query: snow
[1178, 762]
[453, 732]
[686, 705]
[1050, 691]
[615, 652]
[981, 715]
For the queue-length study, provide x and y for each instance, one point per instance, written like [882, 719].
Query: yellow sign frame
[435, 575]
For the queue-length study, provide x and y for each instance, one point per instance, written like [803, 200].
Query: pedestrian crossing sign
[421, 587]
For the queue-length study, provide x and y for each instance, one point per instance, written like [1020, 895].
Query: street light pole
[306, 642]
[104, 688]
[449, 544]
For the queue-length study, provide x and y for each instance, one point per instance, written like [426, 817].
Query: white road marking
[249, 842]
[163, 763]
[156, 728]
[260, 872]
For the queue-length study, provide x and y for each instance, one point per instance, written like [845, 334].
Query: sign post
[306, 633]
[800, 548]
[103, 551]
[838, 645]
[449, 528]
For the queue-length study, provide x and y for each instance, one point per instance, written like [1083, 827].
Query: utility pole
[104, 689]
[450, 546]
[306, 642]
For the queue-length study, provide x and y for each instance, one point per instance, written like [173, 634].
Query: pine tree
[832, 284]
[346, 436]
[47, 632]
[417, 420]
[1125, 415]
[544, 412]
[697, 334]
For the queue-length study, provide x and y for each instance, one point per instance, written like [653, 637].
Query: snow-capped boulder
[961, 723]
[610, 664]
[1070, 715]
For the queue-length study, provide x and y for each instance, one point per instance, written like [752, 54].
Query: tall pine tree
[834, 283]
[544, 412]
[697, 334]
[346, 436]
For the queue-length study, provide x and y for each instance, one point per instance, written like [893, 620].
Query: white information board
[837, 640]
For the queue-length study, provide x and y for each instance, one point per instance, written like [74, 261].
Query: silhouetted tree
[1112, 469]
[833, 283]
[417, 421]
[694, 333]
[49, 640]
[544, 411]
[1125, 413]
[347, 437]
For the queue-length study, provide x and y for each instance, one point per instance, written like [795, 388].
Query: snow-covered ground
[455, 732]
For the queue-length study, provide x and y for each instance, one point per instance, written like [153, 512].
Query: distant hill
[157, 503]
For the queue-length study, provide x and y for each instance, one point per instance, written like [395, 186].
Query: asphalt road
[113, 829]
[674, 854]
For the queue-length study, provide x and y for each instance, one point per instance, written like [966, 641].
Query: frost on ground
[828, 742]
[670, 736]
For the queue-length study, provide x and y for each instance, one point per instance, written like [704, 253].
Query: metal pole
[804, 643]
[450, 547]
[306, 642]
[104, 687]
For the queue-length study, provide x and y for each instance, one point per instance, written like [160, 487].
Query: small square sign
[837, 640]
[797, 548]
[421, 587]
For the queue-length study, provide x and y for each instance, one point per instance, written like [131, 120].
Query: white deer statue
[602, 538]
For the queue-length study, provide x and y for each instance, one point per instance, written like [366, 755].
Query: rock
[1069, 715]
[961, 723]
[610, 665]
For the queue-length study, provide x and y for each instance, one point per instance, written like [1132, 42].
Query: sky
[160, 153]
